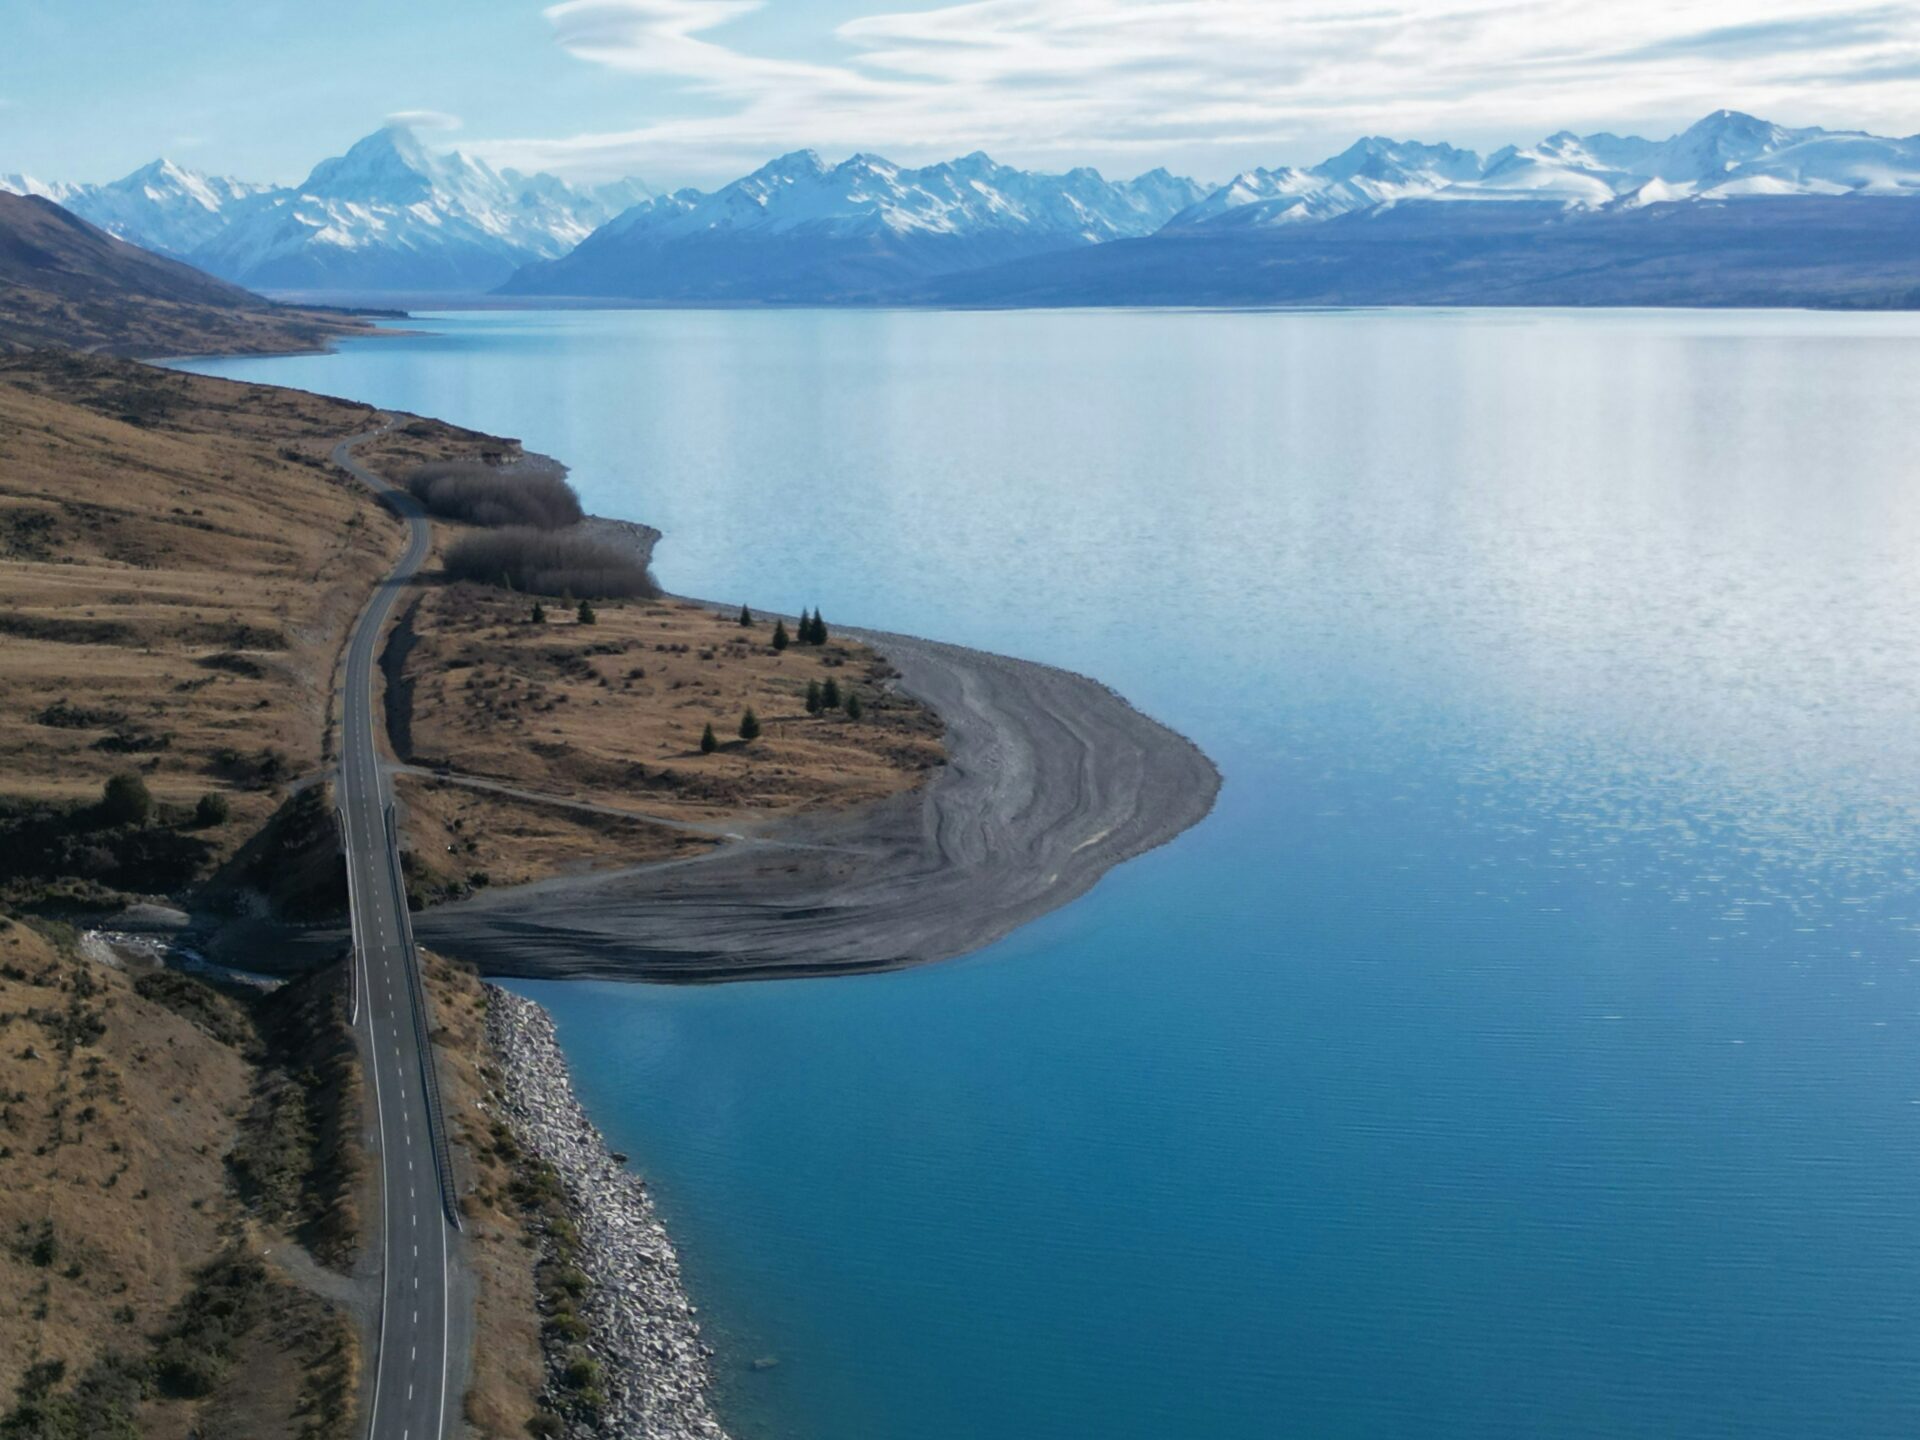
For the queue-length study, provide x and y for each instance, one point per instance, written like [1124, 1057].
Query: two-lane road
[409, 1398]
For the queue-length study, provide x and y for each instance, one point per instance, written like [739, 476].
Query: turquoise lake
[1528, 1045]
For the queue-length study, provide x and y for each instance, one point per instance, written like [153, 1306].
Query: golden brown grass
[179, 566]
[612, 713]
[117, 1114]
[508, 1367]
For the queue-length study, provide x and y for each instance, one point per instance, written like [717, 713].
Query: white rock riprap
[656, 1372]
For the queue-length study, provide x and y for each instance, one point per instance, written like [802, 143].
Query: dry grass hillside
[179, 565]
[611, 714]
[65, 282]
[135, 1299]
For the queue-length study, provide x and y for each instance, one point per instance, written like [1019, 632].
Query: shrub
[854, 708]
[212, 810]
[125, 800]
[543, 562]
[813, 697]
[482, 495]
[749, 725]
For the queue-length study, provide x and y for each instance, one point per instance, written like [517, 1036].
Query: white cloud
[424, 120]
[1220, 81]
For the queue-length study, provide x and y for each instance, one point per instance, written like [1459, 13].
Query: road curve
[411, 1361]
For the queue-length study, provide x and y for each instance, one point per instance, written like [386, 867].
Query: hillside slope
[65, 282]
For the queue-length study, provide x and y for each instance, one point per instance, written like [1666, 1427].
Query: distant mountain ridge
[392, 216]
[389, 214]
[801, 229]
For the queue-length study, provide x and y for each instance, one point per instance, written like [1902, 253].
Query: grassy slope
[122, 1101]
[179, 566]
[611, 714]
[64, 282]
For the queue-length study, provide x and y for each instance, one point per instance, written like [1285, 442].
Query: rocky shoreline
[655, 1371]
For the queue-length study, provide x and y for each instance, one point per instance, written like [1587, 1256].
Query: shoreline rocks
[656, 1373]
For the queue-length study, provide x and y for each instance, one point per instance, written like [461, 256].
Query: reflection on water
[1524, 1047]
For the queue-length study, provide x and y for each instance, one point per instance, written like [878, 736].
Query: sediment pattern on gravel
[655, 1371]
[1051, 780]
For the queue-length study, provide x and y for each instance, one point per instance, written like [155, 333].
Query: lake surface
[1530, 1042]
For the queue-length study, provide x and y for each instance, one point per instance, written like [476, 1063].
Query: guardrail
[353, 923]
[423, 1038]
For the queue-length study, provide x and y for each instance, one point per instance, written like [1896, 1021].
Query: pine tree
[780, 637]
[813, 697]
[830, 694]
[586, 615]
[538, 615]
[709, 742]
[854, 708]
[819, 629]
[746, 618]
[749, 725]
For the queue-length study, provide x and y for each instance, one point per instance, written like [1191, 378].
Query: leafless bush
[550, 562]
[482, 495]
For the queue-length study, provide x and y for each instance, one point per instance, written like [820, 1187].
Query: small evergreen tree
[830, 694]
[819, 629]
[854, 708]
[538, 615]
[749, 725]
[780, 637]
[212, 810]
[585, 614]
[806, 627]
[709, 742]
[813, 697]
[746, 618]
[125, 800]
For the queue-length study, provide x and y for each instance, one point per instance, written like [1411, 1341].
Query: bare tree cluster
[550, 562]
[483, 495]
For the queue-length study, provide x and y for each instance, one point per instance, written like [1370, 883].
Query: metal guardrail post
[423, 1038]
[353, 923]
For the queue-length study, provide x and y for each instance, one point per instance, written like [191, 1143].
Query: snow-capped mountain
[799, 228]
[392, 215]
[164, 206]
[1723, 156]
[14, 183]
[387, 215]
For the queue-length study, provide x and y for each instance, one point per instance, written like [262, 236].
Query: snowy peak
[1722, 156]
[867, 193]
[15, 183]
[389, 165]
[1400, 163]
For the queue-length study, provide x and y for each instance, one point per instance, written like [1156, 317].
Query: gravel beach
[1051, 781]
[655, 1372]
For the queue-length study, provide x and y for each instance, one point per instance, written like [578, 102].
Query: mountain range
[799, 229]
[1384, 221]
[389, 215]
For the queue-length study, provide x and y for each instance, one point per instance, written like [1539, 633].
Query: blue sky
[698, 91]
